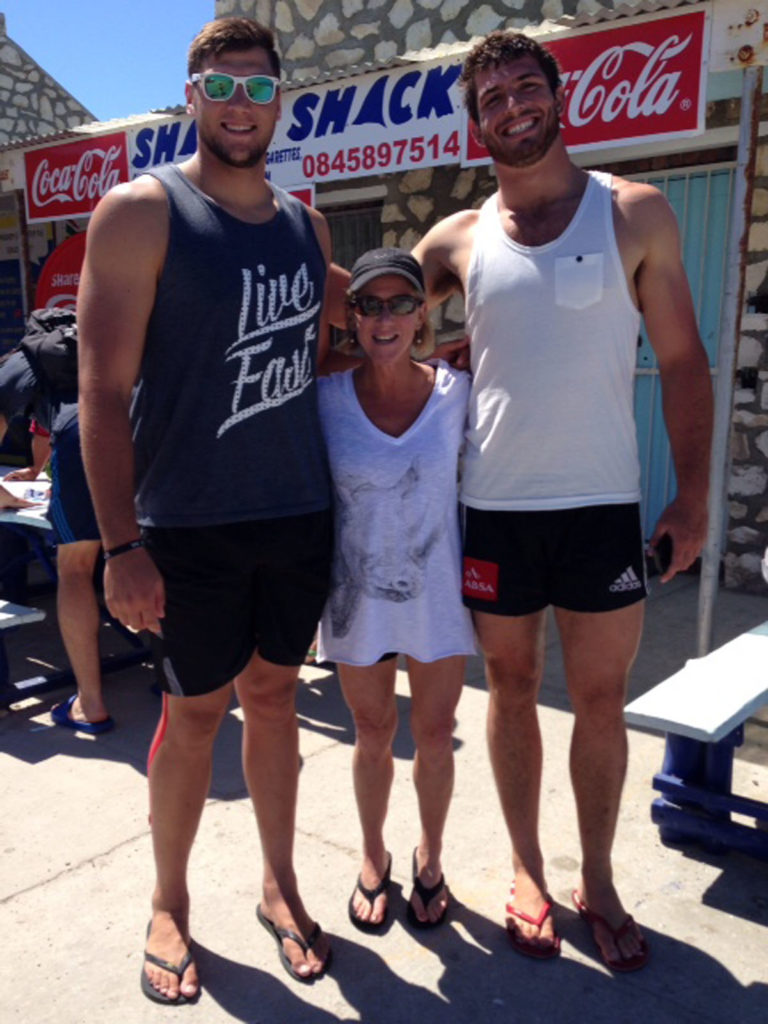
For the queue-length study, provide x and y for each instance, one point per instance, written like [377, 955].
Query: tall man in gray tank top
[556, 269]
[200, 320]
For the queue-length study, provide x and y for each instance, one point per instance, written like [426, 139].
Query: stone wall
[322, 35]
[31, 102]
[747, 500]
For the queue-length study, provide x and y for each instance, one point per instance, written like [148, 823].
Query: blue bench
[702, 709]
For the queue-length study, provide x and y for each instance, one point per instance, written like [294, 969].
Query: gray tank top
[224, 414]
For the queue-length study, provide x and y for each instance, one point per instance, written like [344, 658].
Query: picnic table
[31, 527]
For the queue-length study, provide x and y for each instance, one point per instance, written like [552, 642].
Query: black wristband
[121, 549]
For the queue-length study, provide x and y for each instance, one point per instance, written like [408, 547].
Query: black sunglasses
[398, 305]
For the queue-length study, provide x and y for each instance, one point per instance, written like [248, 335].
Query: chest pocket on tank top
[578, 280]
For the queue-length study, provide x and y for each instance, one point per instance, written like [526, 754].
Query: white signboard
[376, 123]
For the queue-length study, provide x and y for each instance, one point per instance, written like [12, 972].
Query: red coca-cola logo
[631, 83]
[60, 276]
[69, 180]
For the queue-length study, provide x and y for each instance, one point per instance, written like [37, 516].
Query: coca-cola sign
[639, 82]
[69, 180]
[629, 83]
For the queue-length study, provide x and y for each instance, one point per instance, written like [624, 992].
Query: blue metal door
[701, 201]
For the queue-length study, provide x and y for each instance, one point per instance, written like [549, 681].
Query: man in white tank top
[556, 270]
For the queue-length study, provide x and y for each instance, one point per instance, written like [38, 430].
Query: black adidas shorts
[235, 588]
[582, 559]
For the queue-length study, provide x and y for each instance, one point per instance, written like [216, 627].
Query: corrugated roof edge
[595, 15]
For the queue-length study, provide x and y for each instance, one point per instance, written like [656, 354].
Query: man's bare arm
[323, 235]
[125, 249]
[335, 295]
[41, 452]
[444, 254]
[665, 300]
[336, 287]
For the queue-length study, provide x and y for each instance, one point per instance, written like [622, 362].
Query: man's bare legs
[435, 692]
[369, 692]
[599, 650]
[513, 647]
[271, 767]
[78, 614]
[179, 780]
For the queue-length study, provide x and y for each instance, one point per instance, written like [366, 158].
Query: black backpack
[50, 345]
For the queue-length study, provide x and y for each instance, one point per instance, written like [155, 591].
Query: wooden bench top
[710, 696]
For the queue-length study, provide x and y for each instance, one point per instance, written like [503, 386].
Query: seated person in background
[393, 428]
[71, 515]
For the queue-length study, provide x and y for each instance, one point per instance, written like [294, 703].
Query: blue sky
[117, 57]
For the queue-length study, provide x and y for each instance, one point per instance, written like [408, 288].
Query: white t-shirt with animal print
[397, 560]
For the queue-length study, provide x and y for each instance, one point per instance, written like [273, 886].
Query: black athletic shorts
[235, 588]
[582, 559]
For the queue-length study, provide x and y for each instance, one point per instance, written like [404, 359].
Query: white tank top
[554, 340]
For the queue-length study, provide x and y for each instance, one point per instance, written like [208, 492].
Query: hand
[686, 524]
[456, 353]
[8, 500]
[134, 591]
[28, 473]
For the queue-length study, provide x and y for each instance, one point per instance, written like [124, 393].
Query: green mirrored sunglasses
[220, 87]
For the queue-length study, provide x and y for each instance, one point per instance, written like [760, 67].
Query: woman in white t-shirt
[394, 427]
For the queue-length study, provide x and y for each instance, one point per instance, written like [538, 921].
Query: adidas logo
[627, 581]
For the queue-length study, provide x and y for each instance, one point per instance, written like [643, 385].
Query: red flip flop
[631, 963]
[524, 946]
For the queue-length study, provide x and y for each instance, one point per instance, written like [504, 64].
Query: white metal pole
[730, 325]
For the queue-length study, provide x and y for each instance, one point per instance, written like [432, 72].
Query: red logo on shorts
[481, 579]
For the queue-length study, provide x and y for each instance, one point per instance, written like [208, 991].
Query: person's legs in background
[77, 608]
[77, 535]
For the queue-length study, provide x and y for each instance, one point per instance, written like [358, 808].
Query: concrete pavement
[77, 869]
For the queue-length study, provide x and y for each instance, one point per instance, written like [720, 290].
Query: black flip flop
[426, 896]
[154, 994]
[279, 934]
[370, 895]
